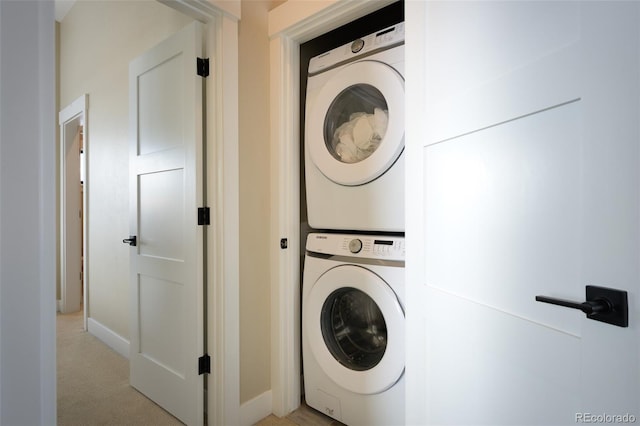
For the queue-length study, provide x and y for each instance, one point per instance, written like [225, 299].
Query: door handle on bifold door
[132, 240]
[603, 304]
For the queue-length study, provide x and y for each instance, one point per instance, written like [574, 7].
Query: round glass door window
[353, 329]
[355, 123]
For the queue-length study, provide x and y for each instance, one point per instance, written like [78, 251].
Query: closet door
[524, 184]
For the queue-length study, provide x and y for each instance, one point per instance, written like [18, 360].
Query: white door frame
[290, 25]
[222, 192]
[74, 112]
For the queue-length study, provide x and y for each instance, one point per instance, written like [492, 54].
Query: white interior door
[530, 174]
[166, 191]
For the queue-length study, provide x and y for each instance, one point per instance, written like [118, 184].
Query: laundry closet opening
[356, 94]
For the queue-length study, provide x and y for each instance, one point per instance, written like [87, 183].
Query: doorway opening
[73, 203]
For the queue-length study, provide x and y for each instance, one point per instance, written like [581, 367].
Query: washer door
[356, 126]
[355, 329]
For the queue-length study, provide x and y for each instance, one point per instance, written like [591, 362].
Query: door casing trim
[76, 110]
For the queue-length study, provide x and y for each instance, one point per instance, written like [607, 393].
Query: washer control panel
[363, 246]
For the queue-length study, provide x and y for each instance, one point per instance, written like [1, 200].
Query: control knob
[357, 45]
[355, 245]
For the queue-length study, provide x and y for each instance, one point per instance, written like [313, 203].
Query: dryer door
[355, 130]
[355, 328]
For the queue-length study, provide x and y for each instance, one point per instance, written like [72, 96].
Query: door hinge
[204, 364]
[203, 67]
[204, 216]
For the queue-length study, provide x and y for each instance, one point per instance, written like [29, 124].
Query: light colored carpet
[93, 387]
[93, 383]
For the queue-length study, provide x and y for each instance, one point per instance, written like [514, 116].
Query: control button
[355, 246]
[357, 45]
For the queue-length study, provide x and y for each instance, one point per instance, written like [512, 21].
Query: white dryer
[353, 328]
[354, 135]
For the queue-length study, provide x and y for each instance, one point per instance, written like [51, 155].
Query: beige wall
[255, 333]
[98, 39]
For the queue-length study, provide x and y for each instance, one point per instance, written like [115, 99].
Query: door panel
[530, 175]
[166, 190]
[160, 110]
[162, 214]
[477, 375]
[161, 338]
[512, 188]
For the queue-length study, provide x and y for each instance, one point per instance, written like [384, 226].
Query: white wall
[27, 214]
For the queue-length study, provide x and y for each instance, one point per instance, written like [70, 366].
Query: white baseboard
[109, 337]
[256, 409]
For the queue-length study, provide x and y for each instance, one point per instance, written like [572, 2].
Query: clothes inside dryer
[356, 123]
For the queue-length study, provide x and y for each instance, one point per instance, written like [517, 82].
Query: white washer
[353, 328]
[354, 135]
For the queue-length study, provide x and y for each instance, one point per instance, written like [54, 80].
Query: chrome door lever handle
[603, 304]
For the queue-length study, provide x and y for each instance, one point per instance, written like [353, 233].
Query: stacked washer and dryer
[353, 321]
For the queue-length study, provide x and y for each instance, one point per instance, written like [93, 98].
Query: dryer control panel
[354, 245]
[368, 45]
